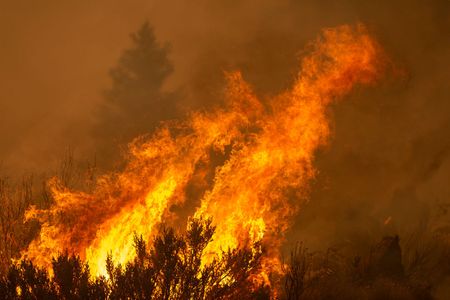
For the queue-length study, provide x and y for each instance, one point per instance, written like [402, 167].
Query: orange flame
[268, 148]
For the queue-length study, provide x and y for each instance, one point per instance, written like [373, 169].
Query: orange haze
[268, 149]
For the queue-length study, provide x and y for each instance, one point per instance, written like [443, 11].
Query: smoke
[270, 153]
[389, 154]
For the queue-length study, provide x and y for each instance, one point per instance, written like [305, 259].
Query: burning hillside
[268, 152]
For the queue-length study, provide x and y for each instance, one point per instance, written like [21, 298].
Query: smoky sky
[388, 157]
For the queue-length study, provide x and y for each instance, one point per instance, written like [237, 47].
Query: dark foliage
[171, 269]
[174, 268]
[378, 275]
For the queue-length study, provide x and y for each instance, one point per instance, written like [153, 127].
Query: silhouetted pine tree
[135, 103]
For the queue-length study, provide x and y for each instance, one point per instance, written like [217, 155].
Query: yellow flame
[268, 152]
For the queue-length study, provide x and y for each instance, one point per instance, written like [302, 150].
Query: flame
[268, 149]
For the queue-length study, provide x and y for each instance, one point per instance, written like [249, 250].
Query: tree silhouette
[171, 268]
[136, 102]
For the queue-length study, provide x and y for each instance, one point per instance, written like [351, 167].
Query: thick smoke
[388, 160]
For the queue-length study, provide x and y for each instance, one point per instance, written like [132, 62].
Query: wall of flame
[256, 191]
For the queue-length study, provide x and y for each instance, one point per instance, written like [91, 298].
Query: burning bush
[171, 269]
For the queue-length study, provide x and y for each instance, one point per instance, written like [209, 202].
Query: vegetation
[15, 233]
[171, 269]
[379, 274]
[170, 266]
[136, 102]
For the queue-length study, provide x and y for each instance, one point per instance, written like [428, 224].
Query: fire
[268, 149]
